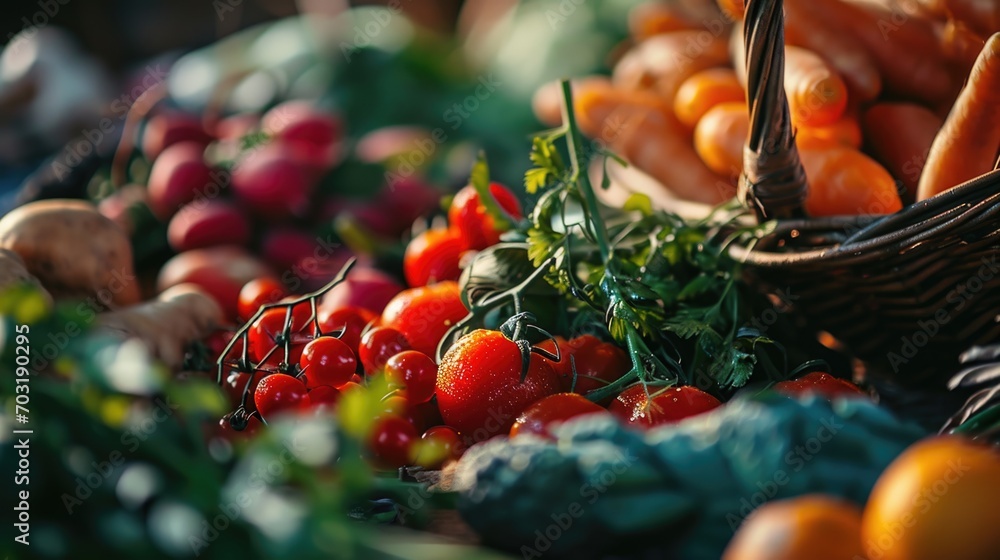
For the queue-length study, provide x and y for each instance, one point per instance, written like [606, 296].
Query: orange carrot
[844, 132]
[816, 94]
[966, 146]
[705, 90]
[843, 181]
[644, 132]
[655, 18]
[547, 102]
[720, 136]
[732, 8]
[899, 135]
[663, 62]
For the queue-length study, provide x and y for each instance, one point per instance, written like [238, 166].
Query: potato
[13, 272]
[74, 251]
[178, 317]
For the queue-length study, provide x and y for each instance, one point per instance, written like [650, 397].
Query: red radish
[116, 206]
[367, 288]
[381, 145]
[205, 223]
[220, 271]
[236, 126]
[177, 177]
[409, 199]
[301, 122]
[270, 183]
[172, 127]
[284, 247]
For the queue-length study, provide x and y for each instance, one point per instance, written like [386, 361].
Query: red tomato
[234, 384]
[541, 416]
[392, 439]
[479, 387]
[433, 256]
[414, 372]
[256, 293]
[598, 363]
[378, 345]
[226, 431]
[667, 405]
[350, 320]
[279, 392]
[819, 382]
[438, 445]
[562, 367]
[468, 215]
[268, 328]
[425, 314]
[322, 398]
[327, 361]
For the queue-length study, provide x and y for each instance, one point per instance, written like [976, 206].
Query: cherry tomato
[256, 293]
[393, 405]
[269, 327]
[425, 314]
[327, 361]
[392, 439]
[236, 381]
[279, 392]
[819, 382]
[433, 256]
[413, 371]
[323, 397]
[351, 320]
[378, 345]
[597, 363]
[437, 446]
[225, 429]
[667, 405]
[217, 341]
[479, 387]
[469, 217]
[541, 416]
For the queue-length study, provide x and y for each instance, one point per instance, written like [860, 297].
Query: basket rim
[872, 237]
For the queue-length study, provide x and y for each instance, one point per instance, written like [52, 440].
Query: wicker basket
[908, 292]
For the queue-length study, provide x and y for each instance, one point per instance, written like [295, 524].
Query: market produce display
[331, 297]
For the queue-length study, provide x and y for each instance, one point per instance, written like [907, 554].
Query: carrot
[705, 90]
[966, 146]
[663, 62]
[732, 8]
[816, 94]
[899, 135]
[654, 18]
[844, 132]
[844, 181]
[837, 46]
[720, 136]
[547, 101]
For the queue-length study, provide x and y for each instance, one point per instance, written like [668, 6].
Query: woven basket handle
[773, 183]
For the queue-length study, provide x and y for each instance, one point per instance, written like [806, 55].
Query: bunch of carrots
[892, 101]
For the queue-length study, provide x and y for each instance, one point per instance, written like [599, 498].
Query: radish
[270, 183]
[301, 122]
[171, 127]
[205, 223]
[282, 248]
[364, 287]
[220, 271]
[176, 178]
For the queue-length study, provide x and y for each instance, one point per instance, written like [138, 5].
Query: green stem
[589, 198]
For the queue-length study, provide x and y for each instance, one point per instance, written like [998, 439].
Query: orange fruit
[811, 527]
[938, 500]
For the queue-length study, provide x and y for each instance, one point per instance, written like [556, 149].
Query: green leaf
[548, 164]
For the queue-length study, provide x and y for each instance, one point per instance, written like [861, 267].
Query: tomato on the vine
[258, 292]
[479, 386]
[327, 361]
[541, 416]
[662, 406]
[323, 397]
[378, 345]
[235, 383]
[349, 322]
[392, 440]
[821, 383]
[279, 392]
[425, 314]
[597, 363]
[474, 224]
[225, 429]
[265, 332]
[433, 256]
[413, 371]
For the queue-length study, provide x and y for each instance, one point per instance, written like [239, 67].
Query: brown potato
[74, 251]
[13, 272]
